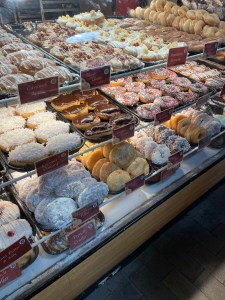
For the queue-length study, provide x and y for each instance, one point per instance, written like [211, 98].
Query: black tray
[100, 139]
[4, 156]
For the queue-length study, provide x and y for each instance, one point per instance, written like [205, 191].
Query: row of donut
[30, 133]
[169, 13]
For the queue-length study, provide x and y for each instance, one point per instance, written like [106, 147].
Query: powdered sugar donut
[170, 90]
[148, 95]
[159, 156]
[157, 84]
[8, 212]
[128, 98]
[74, 166]
[70, 189]
[34, 198]
[148, 111]
[48, 182]
[166, 102]
[93, 193]
[135, 87]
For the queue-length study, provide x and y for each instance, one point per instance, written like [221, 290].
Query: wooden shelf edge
[102, 261]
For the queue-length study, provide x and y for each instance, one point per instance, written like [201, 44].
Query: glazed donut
[106, 149]
[137, 167]
[191, 14]
[128, 99]
[169, 20]
[168, 6]
[148, 111]
[146, 13]
[174, 10]
[175, 119]
[183, 125]
[166, 102]
[106, 169]
[195, 133]
[148, 95]
[186, 25]
[198, 27]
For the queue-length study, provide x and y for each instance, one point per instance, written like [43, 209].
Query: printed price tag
[39, 89]
[87, 212]
[175, 159]
[13, 252]
[9, 274]
[92, 78]
[202, 100]
[163, 116]
[204, 142]
[135, 183]
[222, 91]
[52, 163]
[123, 133]
[168, 172]
[82, 235]
[210, 49]
[177, 56]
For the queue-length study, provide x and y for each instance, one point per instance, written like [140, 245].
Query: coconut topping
[16, 137]
[51, 128]
[30, 107]
[9, 123]
[40, 118]
[7, 111]
[61, 142]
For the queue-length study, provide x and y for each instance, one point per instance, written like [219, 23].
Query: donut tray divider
[38, 229]
[8, 195]
[4, 156]
[100, 139]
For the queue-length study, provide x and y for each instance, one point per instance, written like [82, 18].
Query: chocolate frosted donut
[99, 130]
[106, 111]
[75, 110]
[85, 121]
[120, 120]
[96, 100]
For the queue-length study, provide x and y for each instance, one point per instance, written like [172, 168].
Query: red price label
[86, 212]
[202, 100]
[168, 172]
[175, 158]
[9, 274]
[14, 252]
[163, 116]
[52, 163]
[204, 142]
[177, 56]
[210, 49]
[39, 89]
[135, 183]
[82, 235]
[222, 91]
[123, 133]
[92, 78]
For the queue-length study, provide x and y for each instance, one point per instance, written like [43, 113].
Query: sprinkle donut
[128, 98]
[114, 90]
[199, 88]
[186, 97]
[149, 95]
[159, 74]
[157, 84]
[183, 82]
[166, 102]
[148, 111]
[143, 77]
[172, 75]
[170, 90]
[135, 87]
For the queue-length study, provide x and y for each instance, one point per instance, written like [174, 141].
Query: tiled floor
[185, 261]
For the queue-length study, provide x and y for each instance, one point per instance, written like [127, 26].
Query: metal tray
[104, 138]
[28, 168]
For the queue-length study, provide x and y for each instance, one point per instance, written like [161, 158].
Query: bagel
[198, 27]
[168, 6]
[170, 19]
[211, 19]
[183, 125]
[174, 10]
[151, 15]
[146, 13]
[132, 13]
[186, 25]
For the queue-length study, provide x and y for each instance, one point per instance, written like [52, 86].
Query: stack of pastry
[115, 164]
[194, 125]
[167, 13]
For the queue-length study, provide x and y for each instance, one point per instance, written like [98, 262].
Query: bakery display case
[87, 176]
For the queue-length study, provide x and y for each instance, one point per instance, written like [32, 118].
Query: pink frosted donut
[186, 97]
[113, 90]
[166, 102]
[148, 111]
[143, 77]
[128, 98]
[157, 84]
[170, 90]
[135, 87]
[149, 95]
[183, 82]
